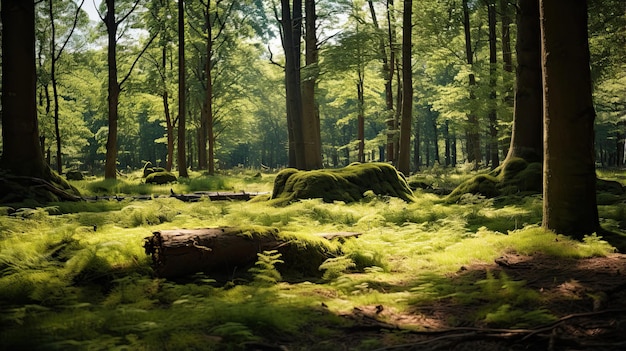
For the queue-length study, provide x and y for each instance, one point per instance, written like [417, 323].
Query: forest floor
[588, 295]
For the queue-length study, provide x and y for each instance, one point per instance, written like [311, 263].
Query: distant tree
[55, 55]
[473, 127]
[569, 183]
[493, 154]
[112, 23]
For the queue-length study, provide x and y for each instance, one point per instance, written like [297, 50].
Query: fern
[265, 272]
[334, 267]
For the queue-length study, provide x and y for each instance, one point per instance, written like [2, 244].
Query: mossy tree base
[348, 184]
[22, 189]
[514, 176]
[518, 177]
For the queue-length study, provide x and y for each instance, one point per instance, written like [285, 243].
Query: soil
[588, 296]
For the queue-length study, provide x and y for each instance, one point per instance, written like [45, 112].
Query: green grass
[74, 276]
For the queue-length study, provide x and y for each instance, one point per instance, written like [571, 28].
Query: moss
[344, 184]
[513, 177]
[160, 178]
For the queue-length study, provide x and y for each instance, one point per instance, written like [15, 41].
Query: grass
[74, 275]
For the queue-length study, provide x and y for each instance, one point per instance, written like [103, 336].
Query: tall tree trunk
[493, 82]
[310, 115]
[361, 118]
[527, 133]
[110, 167]
[182, 160]
[169, 125]
[207, 159]
[55, 93]
[507, 55]
[404, 161]
[446, 135]
[569, 183]
[416, 148]
[473, 127]
[291, 44]
[21, 152]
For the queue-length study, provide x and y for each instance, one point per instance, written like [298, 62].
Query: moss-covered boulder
[344, 184]
[162, 177]
[74, 175]
[515, 176]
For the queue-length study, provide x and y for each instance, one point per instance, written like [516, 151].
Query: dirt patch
[586, 297]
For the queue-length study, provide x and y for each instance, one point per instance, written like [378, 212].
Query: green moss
[513, 177]
[344, 184]
[163, 177]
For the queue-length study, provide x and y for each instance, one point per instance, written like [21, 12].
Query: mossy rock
[344, 184]
[74, 175]
[515, 176]
[609, 186]
[162, 177]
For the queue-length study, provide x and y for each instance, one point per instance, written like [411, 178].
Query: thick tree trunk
[527, 134]
[404, 160]
[291, 25]
[181, 252]
[569, 183]
[182, 157]
[21, 152]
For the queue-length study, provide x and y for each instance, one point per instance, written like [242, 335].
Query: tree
[55, 55]
[493, 155]
[182, 161]
[473, 128]
[404, 163]
[112, 23]
[527, 133]
[310, 114]
[569, 205]
[21, 152]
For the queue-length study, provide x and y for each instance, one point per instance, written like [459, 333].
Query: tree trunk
[181, 252]
[493, 82]
[110, 167]
[473, 127]
[310, 116]
[527, 133]
[388, 71]
[569, 183]
[291, 44]
[182, 160]
[507, 55]
[361, 118]
[21, 152]
[446, 135]
[404, 160]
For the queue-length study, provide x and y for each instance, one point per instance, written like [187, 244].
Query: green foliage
[334, 267]
[265, 272]
[80, 278]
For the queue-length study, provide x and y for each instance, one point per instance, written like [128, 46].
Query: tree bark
[404, 161]
[493, 82]
[291, 25]
[361, 118]
[473, 127]
[182, 157]
[110, 167]
[181, 252]
[21, 152]
[569, 182]
[527, 133]
[310, 115]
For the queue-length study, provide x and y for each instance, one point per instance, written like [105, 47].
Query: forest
[313, 175]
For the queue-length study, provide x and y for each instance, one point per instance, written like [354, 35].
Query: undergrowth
[74, 276]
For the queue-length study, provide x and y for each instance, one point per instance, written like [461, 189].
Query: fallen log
[181, 252]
